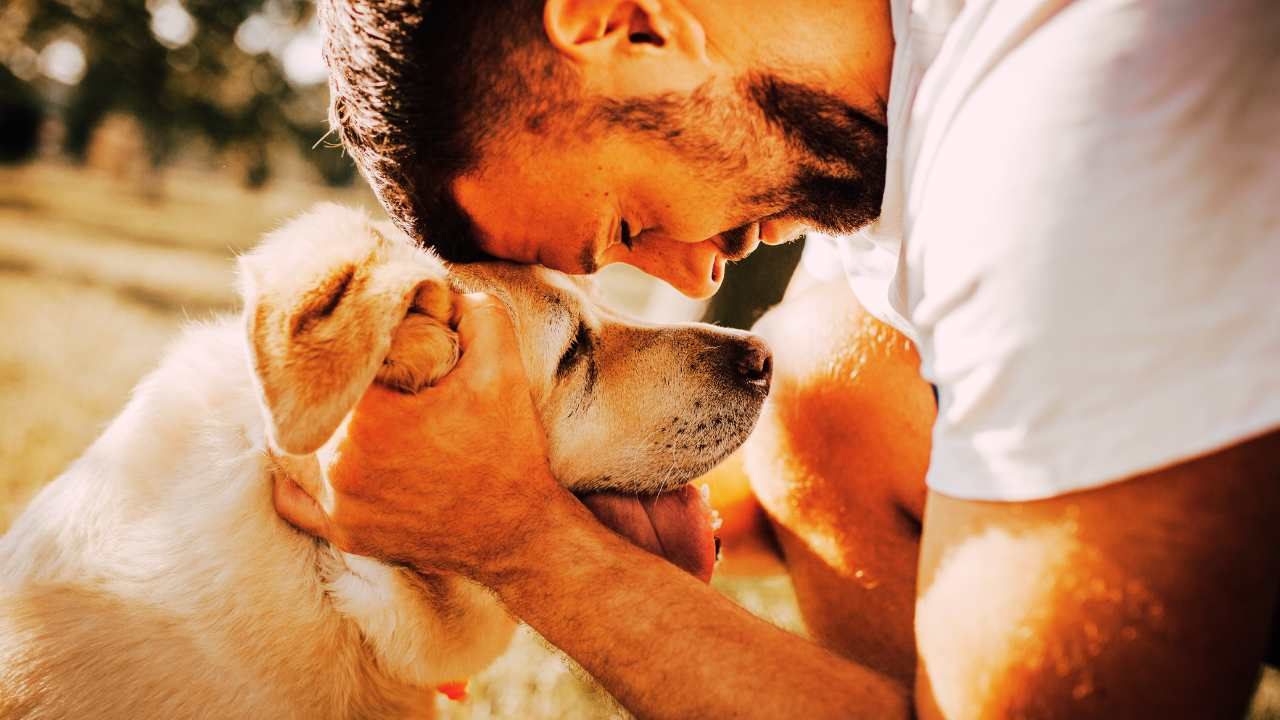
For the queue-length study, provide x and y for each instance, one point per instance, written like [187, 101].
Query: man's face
[678, 178]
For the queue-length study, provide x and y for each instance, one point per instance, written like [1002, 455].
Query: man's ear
[629, 47]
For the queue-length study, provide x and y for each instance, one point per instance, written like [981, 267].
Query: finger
[298, 508]
[385, 407]
[487, 337]
[483, 319]
[459, 304]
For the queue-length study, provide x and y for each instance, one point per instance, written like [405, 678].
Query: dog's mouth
[677, 525]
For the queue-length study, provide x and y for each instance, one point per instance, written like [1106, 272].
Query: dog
[153, 579]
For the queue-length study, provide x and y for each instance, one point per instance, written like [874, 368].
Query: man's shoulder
[1100, 111]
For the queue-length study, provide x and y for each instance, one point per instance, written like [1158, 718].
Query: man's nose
[695, 269]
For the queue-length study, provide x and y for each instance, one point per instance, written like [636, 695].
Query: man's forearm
[668, 646]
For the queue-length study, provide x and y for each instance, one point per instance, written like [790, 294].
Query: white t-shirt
[1081, 230]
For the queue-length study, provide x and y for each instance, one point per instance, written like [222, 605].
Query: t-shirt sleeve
[1096, 251]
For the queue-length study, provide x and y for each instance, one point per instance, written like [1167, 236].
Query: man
[1076, 227]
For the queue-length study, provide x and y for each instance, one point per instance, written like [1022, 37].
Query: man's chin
[676, 525]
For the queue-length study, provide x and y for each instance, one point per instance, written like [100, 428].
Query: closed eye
[579, 347]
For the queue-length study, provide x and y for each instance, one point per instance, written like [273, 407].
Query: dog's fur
[153, 579]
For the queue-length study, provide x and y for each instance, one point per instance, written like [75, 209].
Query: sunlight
[63, 60]
[172, 25]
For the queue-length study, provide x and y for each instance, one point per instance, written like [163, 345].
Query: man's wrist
[551, 532]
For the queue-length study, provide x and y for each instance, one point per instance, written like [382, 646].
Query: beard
[838, 185]
[837, 153]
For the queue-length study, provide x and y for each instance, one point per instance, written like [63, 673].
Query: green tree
[175, 65]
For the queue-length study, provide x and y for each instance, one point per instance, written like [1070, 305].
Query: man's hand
[408, 476]
[456, 478]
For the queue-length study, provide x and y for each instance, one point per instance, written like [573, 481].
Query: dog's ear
[324, 297]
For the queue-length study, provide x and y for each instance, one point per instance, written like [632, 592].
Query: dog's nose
[752, 360]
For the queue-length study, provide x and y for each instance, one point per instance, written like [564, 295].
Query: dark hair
[418, 89]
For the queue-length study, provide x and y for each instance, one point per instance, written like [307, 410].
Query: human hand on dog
[433, 479]
[455, 478]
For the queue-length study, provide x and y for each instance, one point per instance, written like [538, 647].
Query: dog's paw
[424, 348]
[333, 303]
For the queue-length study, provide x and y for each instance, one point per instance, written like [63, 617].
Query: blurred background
[142, 144]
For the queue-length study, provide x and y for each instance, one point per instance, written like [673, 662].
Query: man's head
[672, 135]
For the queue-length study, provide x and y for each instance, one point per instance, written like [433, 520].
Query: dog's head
[333, 301]
[627, 405]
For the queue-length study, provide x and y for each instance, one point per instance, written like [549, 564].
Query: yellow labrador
[153, 579]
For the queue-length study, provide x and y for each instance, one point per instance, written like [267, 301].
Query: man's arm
[832, 503]
[838, 461]
[1146, 598]
[668, 646]
[1096, 305]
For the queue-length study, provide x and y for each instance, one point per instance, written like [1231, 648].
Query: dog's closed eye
[579, 347]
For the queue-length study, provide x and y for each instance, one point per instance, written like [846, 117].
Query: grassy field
[95, 280]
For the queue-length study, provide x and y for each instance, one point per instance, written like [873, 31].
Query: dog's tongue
[675, 525]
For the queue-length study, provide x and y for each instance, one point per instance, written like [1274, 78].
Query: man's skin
[838, 463]
[1147, 597]
[566, 214]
